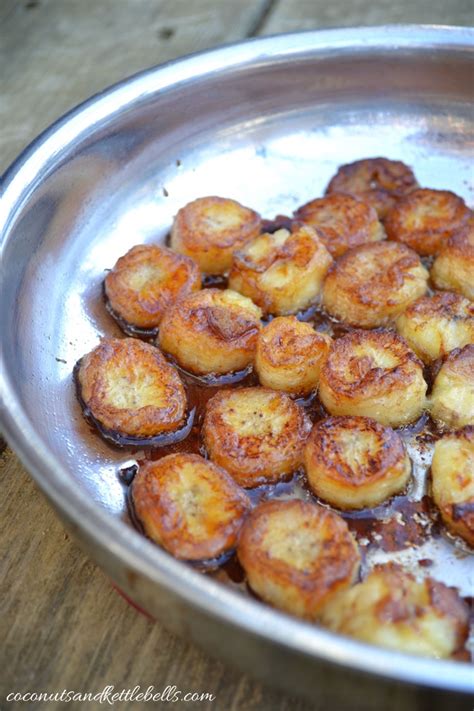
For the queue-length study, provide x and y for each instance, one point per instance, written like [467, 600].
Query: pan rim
[115, 537]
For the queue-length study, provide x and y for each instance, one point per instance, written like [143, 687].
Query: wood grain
[292, 15]
[62, 624]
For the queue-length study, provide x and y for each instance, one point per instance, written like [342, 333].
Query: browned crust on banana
[130, 388]
[322, 537]
[211, 331]
[146, 281]
[390, 607]
[210, 229]
[353, 382]
[342, 222]
[355, 462]
[426, 219]
[452, 398]
[435, 325]
[189, 506]
[452, 486]
[258, 442]
[378, 181]
[290, 354]
[371, 284]
[286, 276]
[399, 608]
[453, 268]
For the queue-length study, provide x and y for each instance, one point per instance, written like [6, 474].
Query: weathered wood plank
[293, 15]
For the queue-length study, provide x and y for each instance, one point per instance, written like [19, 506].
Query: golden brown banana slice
[189, 506]
[256, 434]
[378, 181]
[130, 390]
[371, 284]
[392, 609]
[211, 331]
[282, 272]
[452, 398]
[425, 219]
[210, 229]
[146, 281]
[355, 462]
[435, 325]
[373, 374]
[342, 222]
[290, 354]
[452, 475]
[453, 268]
[297, 555]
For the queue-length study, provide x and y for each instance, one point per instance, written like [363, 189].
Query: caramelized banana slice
[373, 374]
[378, 181]
[435, 325]
[256, 434]
[188, 505]
[297, 555]
[290, 354]
[129, 389]
[210, 229]
[452, 474]
[371, 284]
[453, 268]
[282, 272]
[391, 609]
[452, 398]
[425, 219]
[342, 222]
[212, 331]
[354, 462]
[146, 281]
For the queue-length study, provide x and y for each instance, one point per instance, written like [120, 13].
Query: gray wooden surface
[62, 624]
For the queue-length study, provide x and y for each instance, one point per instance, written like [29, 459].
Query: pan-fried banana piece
[129, 388]
[211, 331]
[282, 272]
[452, 475]
[297, 555]
[435, 325]
[373, 374]
[371, 284]
[355, 462]
[453, 268]
[378, 181]
[256, 434]
[425, 219]
[147, 281]
[290, 354]
[452, 398]
[210, 229]
[342, 222]
[189, 506]
[392, 609]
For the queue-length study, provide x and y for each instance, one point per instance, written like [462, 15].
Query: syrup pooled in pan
[405, 529]
[406, 522]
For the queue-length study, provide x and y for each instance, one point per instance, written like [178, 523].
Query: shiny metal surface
[265, 122]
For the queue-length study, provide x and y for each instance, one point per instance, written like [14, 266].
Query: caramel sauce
[392, 526]
[407, 520]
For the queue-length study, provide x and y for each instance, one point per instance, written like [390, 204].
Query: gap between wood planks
[262, 18]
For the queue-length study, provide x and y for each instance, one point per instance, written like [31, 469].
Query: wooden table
[63, 626]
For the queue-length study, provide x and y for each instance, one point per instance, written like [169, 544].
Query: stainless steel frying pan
[265, 122]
